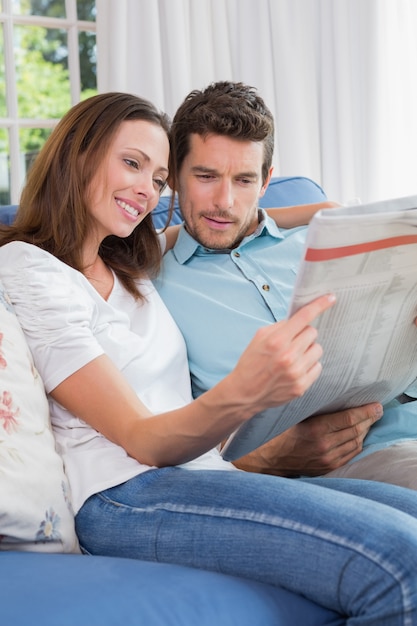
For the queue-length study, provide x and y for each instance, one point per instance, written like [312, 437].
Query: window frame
[12, 122]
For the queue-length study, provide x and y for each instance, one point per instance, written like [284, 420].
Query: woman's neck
[100, 276]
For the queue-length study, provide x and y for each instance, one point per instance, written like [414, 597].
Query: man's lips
[219, 223]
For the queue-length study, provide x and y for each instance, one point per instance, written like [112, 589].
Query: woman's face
[128, 181]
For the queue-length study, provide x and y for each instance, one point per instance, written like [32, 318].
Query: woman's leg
[345, 552]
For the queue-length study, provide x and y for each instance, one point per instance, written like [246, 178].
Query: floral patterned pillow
[35, 507]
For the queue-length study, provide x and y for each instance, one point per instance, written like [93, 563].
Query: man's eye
[132, 163]
[205, 176]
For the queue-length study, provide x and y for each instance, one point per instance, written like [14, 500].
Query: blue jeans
[336, 541]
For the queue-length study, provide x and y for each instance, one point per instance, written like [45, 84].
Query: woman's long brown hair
[53, 212]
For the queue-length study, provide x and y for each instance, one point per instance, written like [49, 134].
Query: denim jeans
[348, 545]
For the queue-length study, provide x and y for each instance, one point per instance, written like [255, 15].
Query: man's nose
[224, 195]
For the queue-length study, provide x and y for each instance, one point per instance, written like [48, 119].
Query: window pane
[48, 8]
[88, 63]
[41, 70]
[4, 167]
[3, 109]
[86, 10]
[31, 141]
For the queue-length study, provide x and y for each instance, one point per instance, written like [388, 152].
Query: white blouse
[67, 324]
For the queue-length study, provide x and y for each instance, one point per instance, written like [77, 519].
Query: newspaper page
[367, 256]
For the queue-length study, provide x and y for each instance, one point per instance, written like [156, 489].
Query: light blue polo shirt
[219, 299]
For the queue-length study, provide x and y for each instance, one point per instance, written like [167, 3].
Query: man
[232, 271]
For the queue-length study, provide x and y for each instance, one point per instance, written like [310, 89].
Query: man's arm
[285, 217]
[171, 234]
[315, 446]
[299, 215]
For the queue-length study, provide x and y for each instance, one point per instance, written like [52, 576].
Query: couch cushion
[291, 190]
[35, 512]
[7, 213]
[80, 590]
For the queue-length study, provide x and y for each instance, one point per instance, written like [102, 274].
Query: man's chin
[219, 244]
[216, 241]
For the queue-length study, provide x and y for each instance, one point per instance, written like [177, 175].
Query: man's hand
[315, 446]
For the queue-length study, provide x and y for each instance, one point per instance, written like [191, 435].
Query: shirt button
[236, 254]
[265, 287]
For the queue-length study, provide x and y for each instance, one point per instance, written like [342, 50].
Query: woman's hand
[282, 361]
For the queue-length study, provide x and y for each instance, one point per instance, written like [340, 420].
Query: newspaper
[367, 256]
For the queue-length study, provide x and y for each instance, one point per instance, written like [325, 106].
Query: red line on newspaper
[327, 254]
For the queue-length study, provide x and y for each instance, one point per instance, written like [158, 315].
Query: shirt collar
[186, 246]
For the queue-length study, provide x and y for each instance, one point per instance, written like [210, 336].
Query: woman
[76, 265]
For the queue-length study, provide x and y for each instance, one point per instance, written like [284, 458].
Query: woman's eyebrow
[146, 157]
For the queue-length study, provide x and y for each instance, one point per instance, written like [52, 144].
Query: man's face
[219, 184]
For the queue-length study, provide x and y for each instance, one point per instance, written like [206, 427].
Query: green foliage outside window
[42, 75]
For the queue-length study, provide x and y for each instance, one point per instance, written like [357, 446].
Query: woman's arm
[280, 364]
[299, 215]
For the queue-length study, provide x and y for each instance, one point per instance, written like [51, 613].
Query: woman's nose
[145, 186]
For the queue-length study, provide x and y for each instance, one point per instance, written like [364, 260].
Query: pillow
[35, 507]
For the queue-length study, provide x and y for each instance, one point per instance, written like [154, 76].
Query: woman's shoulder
[26, 265]
[21, 253]
[40, 282]
[22, 249]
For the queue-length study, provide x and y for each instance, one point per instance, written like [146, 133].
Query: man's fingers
[344, 420]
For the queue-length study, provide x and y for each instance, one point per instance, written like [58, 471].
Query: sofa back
[282, 191]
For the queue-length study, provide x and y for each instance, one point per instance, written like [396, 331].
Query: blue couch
[78, 590]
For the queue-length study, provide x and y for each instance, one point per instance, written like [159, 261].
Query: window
[47, 64]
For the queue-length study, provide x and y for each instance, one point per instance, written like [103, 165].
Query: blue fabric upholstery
[69, 590]
[292, 190]
[7, 213]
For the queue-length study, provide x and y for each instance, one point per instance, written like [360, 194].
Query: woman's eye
[160, 183]
[132, 163]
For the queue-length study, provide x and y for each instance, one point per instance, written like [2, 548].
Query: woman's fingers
[308, 313]
[283, 360]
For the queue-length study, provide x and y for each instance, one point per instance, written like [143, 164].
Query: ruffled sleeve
[57, 309]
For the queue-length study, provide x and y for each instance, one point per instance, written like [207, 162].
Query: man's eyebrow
[202, 169]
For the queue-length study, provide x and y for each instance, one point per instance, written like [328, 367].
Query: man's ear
[266, 183]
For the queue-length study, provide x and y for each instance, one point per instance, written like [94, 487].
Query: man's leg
[396, 465]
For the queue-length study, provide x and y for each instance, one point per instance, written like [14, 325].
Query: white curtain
[340, 77]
